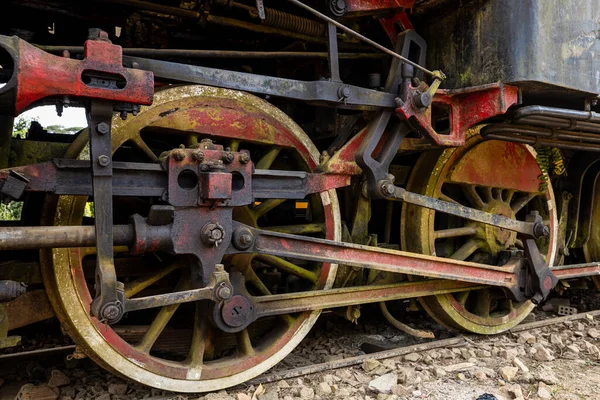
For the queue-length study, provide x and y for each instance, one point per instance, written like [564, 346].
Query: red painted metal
[384, 259]
[464, 108]
[367, 6]
[39, 75]
[391, 25]
[511, 167]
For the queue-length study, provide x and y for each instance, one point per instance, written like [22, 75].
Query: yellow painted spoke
[252, 278]
[466, 250]
[288, 267]
[161, 320]
[234, 145]
[523, 201]
[508, 195]
[487, 193]
[266, 206]
[195, 357]
[462, 297]
[244, 344]
[133, 288]
[86, 251]
[448, 199]
[297, 229]
[156, 327]
[141, 145]
[455, 232]
[473, 196]
[268, 158]
[482, 305]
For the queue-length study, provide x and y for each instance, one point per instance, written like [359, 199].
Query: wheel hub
[497, 239]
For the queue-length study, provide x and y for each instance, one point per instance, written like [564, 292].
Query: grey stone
[384, 383]
[323, 389]
[412, 357]
[508, 373]
[544, 391]
[370, 364]
[58, 379]
[117, 388]
[307, 393]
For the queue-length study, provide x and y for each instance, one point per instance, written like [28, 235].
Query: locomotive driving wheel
[493, 176]
[197, 356]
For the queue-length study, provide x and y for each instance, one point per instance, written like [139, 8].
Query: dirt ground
[555, 362]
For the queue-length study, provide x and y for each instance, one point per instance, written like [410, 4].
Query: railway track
[379, 349]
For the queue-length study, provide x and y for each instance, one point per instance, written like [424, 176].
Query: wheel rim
[242, 120]
[494, 176]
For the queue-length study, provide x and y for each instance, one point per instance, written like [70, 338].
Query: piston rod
[44, 237]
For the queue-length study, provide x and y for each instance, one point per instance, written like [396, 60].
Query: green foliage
[12, 210]
[21, 126]
[64, 130]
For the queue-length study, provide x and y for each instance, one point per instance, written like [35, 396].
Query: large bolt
[104, 160]
[198, 155]
[112, 312]
[223, 292]
[212, 234]
[227, 157]
[244, 158]
[243, 238]
[103, 128]
[388, 188]
[179, 154]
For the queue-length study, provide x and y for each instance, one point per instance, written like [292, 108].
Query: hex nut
[103, 128]
[179, 154]
[104, 160]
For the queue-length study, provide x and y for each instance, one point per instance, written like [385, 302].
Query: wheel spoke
[161, 320]
[508, 195]
[523, 201]
[244, 344]
[302, 229]
[448, 199]
[141, 145]
[455, 232]
[157, 326]
[462, 297]
[268, 158]
[483, 303]
[234, 145]
[253, 279]
[487, 193]
[266, 206]
[133, 288]
[497, 194]
[195, 357]
[466, 250]
[473, 197]
[288, 267]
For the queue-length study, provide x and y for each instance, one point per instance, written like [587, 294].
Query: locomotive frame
[210, 196]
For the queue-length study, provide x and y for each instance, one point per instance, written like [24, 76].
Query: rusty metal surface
[38, 74]
[549, 47]
[303, 301]
[28, 308]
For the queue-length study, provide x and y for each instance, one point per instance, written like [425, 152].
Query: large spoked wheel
[493, 176]
[177, 347]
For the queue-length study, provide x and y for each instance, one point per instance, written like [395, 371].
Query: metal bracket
[108, 302]
[377, 169]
